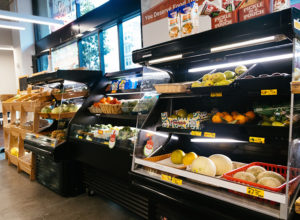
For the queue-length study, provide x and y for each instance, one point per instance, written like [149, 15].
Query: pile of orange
[234, 117]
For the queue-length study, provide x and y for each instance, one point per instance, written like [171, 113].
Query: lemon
[189, 158]
[177, 156]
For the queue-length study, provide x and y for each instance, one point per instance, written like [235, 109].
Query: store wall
[8, 83]
[23, 41]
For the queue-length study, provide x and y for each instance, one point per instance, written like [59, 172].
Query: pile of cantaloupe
[260, 175]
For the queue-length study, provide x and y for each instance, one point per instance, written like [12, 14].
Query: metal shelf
[213, 181]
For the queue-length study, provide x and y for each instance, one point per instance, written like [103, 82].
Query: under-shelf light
[215, 140]
[244, 62]
[3, 47]
[11, 25]
[248, 43]
[29, 18]
[166, 59]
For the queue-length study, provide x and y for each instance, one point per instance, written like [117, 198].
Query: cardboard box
[253, 9]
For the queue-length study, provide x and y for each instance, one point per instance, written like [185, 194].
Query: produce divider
[228, 127]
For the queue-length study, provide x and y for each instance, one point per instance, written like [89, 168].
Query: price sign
[100, 132]
[258, 140]
[265, 92]
[209, 134]
[216, 94]
[255, 192]
[114, 91]
[106, 143]
[196, 133]
[165, 177]
[177, 181]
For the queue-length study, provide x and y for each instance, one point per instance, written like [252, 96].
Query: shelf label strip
[259, 140]
[170, 179]
[265, 92]
[196, 133]
[209, 135]
[216, 94]
[255, 192]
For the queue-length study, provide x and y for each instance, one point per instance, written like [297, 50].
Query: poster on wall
[64, 10]
[164, 20]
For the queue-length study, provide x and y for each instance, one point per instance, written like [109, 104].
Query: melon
[245, 176]
[203, 165]
[269, 181]
[223, 163]
[255, 170]
[271, 174]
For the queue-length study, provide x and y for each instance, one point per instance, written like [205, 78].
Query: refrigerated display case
[53, 166]
[104, 131]
[233, 108]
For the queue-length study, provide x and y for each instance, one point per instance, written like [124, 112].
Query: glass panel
[111, 49]
[43, 63]
[88, 5]
[66, 57]
[90, 52]
[132, 40]
[64, 10]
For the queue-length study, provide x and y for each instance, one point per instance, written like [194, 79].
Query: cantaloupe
[223, 163]
[255, 170]
[203, 165]
[245, 176]
[269, 181]
[271, 174]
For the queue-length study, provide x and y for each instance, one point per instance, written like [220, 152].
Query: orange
[234, 113]
[250, 115]
[216, 119]
[225, 113]
[220, 114]
[241, 119]
[228, 118]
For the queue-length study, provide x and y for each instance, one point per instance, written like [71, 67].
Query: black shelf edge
[270, 24]
[131, 72]
[124, 92]
[81, 76]
[121, 116]
[271, 134]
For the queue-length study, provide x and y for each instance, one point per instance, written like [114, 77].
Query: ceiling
[4, 4]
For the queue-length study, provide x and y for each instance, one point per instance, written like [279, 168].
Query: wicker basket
[111, 108]
[95, 110]
[172, 87]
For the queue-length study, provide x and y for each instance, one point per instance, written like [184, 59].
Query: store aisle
[25, 200]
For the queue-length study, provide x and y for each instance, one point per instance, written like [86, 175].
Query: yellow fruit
[206, 77]
[177, 156]
[217, 77]
[14, 151]
[208, 83]
[277, 124]
[189, 158]
[182, 113]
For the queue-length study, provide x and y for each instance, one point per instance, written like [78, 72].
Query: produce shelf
[125, 117]
[217, 193]
[214, 181]
[125, 92]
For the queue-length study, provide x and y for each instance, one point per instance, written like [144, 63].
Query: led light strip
[29, 18]
[245, 62]
[246, 43]
[3, 47]
[165, 59]
[11, 25]
[215, 140]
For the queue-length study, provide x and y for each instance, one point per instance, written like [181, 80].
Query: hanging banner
[165, 20]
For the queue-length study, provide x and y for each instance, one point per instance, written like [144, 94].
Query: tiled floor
[21, 199]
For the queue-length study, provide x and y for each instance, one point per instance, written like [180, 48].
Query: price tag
[165, 177]
[100, 132]
[177, 181]
[114, 91]
[259, 140]
[196, 133]
[216, 94]
[80, 137]
[209, 134]
[255, 192]
[106, 143]
[52, 145]
[265, 92]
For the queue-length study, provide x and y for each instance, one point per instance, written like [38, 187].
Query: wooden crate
[26, 163]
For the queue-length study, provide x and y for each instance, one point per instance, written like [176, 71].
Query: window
[110, 49]
[66, 57]
[88, 5]
[131, 39]
[90, 52]
[43, 62]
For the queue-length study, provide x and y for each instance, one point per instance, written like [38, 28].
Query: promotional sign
[164, 20]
